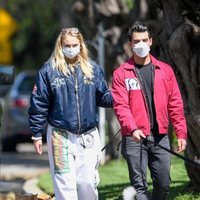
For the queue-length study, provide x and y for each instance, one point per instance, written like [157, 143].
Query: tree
[177, 33]
[37, 29]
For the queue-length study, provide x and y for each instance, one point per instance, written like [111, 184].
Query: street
[16, 168]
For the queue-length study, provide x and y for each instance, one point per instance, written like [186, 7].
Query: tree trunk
[179, 42]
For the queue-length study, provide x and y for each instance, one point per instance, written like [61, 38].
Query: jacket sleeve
[39, 104]
[103, 94]
[121, 104]
[176, 109]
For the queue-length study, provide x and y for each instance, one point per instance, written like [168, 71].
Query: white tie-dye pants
[74, 160]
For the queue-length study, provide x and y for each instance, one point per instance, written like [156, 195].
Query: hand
[181, 145]
[38, 146]
[137, 134]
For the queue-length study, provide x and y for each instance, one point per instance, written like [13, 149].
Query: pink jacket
[130, 105]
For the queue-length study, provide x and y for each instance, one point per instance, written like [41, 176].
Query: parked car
[6, 79]
[15, 125]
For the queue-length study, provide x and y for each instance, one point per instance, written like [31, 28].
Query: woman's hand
[38, 146]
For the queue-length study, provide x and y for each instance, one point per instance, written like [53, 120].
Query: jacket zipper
[77, 102]
[137, 73]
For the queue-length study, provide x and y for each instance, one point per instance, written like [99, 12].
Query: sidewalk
[19, 171]
[30, 186]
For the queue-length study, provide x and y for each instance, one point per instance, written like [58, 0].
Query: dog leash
[156, 144]
[168, 150]
[173, 153]
[141, 171]
[111, 141]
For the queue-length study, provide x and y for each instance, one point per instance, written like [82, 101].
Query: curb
[30, 186]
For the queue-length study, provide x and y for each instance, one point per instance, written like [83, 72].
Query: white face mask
[71, 52]
[141, 49]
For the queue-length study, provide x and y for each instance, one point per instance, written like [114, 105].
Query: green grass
[114, 178]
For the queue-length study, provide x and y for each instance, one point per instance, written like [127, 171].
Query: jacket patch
[132, 84]
[57, 82]
[87, 80]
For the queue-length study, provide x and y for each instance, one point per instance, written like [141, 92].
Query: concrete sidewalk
[19, 171]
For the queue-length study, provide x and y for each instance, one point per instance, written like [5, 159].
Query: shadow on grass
[180, 188]
[114, 191]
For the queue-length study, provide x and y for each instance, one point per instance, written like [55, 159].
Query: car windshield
[27, 85]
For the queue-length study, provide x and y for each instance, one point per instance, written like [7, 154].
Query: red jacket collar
[130, 62]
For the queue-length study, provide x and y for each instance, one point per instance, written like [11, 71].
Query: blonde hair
[59, 61]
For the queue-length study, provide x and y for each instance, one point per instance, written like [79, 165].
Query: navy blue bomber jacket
[67, 102]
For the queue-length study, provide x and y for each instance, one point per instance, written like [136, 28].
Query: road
[16, 168]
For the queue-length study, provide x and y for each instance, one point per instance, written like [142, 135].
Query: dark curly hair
[138, 27]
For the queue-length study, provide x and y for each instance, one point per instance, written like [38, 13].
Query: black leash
[111, 141]
[174, 153]
[162, 147]
[142, 173]
[168, 150]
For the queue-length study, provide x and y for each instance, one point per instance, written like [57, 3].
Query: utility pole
[102, 113]
[98, 43]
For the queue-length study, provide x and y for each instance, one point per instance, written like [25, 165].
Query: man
[146, 93]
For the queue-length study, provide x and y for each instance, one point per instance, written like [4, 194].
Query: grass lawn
[114, 178]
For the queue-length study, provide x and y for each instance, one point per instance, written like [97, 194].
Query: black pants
[155, 158]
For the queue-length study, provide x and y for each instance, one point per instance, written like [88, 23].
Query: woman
[68, 89]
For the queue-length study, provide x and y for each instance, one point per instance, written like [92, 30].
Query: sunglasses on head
[71, 30]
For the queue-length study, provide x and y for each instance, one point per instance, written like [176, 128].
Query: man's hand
[181, 145]
[38, 146]
[137, 134]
